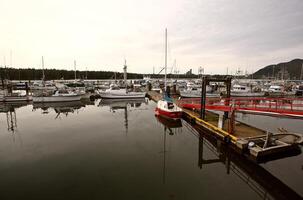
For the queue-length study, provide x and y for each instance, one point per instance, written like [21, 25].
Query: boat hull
[185, 94]
[175, 115]
[57, 98]
[122, 96]
[15, 98]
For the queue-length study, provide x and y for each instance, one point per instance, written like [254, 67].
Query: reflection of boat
[73, 104]
[169, 123]
[11, 117]
[121, 103]
[59, 107]
[5, 107]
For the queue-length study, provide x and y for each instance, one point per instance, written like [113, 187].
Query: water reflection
[261, 181]
[172, 126]
[11, 118]
[60, 108]
[127, 105]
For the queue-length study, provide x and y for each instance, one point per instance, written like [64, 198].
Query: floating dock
[245, 139]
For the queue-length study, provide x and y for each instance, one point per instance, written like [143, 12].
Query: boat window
[170, 105]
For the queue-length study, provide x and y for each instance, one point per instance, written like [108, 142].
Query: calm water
[120, 150]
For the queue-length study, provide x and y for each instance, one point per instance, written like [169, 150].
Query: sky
[218, 35]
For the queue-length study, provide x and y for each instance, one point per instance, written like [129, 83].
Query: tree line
[56, 74]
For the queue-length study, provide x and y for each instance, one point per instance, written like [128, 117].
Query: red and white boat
[166, 107]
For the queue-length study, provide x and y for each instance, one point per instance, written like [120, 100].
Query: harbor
[212, 115]
[128, 146]
[151, 100]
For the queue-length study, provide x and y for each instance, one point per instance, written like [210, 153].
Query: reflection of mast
[164, 155]
[11, 120]
[126, 118]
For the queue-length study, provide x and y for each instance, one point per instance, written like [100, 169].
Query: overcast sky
[99, 34]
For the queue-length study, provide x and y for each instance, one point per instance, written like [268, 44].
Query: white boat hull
[196, 94]
[120, 95]
[247, 94]
[15, 98]
[57, 98]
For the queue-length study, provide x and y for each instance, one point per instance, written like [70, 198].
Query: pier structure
[211, 114]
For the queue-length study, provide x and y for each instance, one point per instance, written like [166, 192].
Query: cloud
[99, 34]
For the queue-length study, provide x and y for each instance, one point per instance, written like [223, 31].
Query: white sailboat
[166, 107]
[114, 92]
[57, 96]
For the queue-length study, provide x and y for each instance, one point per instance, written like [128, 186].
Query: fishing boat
[115, 92]
[166, 107]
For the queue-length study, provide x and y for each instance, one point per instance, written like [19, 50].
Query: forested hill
[287, 70]
[56, 74]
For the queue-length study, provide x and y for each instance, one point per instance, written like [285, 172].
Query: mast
[75, 70]
[165, 66]
[125, 73]
[43, 75]
[301, 77]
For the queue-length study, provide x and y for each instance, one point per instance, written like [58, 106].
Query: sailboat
[166, 107]
[114, 92]
[59, 95]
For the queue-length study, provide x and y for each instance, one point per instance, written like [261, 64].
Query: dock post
[221, 121]
[203, 98]
[26, 88]
[228, 88]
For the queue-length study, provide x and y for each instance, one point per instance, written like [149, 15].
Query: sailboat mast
[43, 75]
[125, 73]
[75, 69]
[165, 66]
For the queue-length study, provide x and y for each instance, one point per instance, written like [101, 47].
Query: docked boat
[271, 143]
[166, 107]
[196, 93]
[43, 85]
[14, 96]
[57, 96]
[115, 92]
[244, 91]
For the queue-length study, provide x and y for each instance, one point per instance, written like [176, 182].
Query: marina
[151, 100]
[157, 153]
